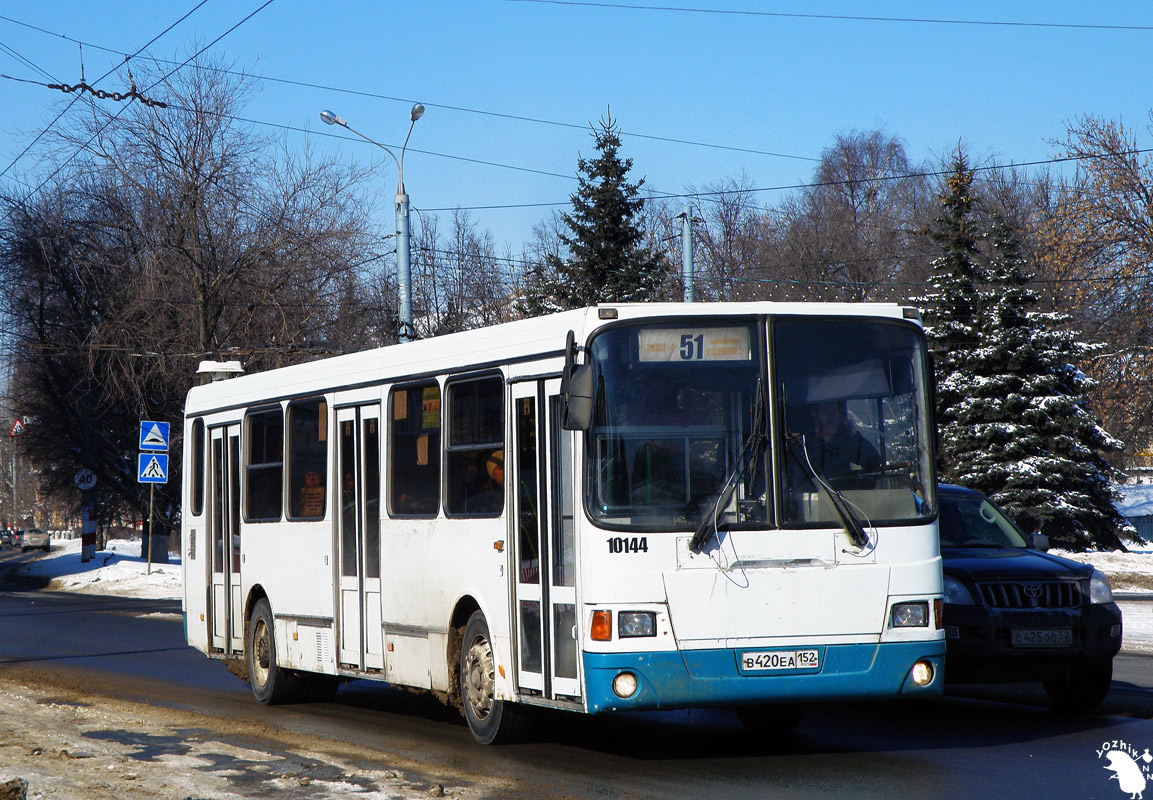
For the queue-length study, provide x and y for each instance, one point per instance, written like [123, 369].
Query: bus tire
[491, 721]
[271, 685]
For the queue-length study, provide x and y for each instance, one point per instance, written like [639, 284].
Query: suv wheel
[1081, 686]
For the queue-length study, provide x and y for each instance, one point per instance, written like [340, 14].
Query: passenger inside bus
[490, 495]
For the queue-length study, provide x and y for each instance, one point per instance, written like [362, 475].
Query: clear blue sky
[511, 87]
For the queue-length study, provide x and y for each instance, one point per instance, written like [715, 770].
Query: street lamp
[403, 248]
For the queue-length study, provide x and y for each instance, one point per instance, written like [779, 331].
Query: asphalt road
[991, 741]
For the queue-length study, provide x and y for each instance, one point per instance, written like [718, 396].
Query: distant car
[14, 538]
[1015, 613]
[35, 539]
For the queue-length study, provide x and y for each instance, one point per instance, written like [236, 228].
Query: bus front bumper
[695, 678]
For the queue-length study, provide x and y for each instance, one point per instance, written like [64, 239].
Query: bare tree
[461, 282]
[1096, 252]
[175, 234]
[849, 236]
[730, 234]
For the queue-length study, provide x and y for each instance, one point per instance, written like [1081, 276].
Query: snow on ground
[118, 569]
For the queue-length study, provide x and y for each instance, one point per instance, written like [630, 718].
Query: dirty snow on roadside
[70, 741]
[66, 743]
[118, 569]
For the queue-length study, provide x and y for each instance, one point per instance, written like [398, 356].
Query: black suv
[1015, 613]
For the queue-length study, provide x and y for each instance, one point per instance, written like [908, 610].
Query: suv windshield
[972, 521]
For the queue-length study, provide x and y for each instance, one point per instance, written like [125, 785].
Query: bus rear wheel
[490, 720]
[271, 685]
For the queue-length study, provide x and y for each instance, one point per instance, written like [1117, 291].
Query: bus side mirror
[578, 398]
[576, 388]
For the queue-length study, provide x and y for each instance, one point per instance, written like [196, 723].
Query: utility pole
[687, 252]
[405, 329]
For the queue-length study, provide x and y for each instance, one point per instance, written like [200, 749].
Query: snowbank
[119, 569]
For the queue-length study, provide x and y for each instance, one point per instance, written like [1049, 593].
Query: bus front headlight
[910, 615]
[635, 624]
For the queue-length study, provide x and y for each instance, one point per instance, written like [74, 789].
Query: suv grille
[1030, 594]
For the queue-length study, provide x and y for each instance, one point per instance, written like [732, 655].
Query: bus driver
[836, 449]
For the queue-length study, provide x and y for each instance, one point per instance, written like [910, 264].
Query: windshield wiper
[756, 442]
[853, 526]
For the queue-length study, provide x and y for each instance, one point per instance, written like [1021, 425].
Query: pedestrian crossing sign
[152, 468]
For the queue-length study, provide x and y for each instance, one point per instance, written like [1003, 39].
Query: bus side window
[414, 450]
[307, 458]
[264, 465]
[197, 466]
[475, 449]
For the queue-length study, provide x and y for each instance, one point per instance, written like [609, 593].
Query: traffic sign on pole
[154, 436]
[152, 468]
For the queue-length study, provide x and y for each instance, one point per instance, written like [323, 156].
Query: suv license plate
[776, 660]
[1041, 638]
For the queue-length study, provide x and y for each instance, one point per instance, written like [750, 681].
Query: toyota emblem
[1032, 590]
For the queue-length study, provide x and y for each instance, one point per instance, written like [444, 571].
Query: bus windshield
[674, 405]
[680, 435]
[856, 429]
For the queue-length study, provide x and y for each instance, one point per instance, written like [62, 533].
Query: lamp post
[403, 246]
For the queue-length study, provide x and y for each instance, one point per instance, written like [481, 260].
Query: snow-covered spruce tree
[607, 258]
[951, 306]
[1022, 433]
[1011, 410]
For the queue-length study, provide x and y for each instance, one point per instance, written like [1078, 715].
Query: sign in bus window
[414, 454]
[307, 458]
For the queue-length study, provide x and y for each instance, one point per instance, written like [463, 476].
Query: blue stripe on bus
[681, 679]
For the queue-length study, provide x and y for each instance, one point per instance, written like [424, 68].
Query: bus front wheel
[491, 721]
[270, 684]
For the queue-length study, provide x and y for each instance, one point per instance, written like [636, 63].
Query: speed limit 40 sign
[85, 479]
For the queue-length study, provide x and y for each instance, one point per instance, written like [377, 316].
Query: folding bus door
[358, 455]
[225, 607]
[545, 581]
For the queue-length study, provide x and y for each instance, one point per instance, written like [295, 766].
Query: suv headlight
[1099, 589]
[957, 593]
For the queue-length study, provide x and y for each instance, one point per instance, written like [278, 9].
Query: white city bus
[640, 506]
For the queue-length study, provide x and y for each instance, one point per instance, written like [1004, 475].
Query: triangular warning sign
[153, 470]
[18, 429]
[154, 437]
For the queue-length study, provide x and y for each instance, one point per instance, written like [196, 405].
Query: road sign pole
[85, 481]
[87, 525]
[151, 494]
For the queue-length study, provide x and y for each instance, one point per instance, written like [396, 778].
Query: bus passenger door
[358, 521]
[542, 505]
[225, 607]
